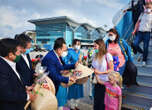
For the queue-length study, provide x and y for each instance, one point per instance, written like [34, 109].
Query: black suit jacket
[12, 90]
[25, 71]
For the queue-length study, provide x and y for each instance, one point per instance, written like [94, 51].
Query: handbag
[130, 72]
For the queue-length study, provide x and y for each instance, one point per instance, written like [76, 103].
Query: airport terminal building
[49, 29]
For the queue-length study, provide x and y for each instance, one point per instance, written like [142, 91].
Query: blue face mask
[28, 51]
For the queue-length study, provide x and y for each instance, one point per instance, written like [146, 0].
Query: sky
[14, 14]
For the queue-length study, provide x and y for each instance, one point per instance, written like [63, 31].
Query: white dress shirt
[26, 59]
[58, 57]
[13, 66]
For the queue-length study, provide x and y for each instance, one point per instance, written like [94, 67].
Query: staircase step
[85, 103]
[141, 91]
[144, 81]
[144, 71]
[149, 58]
[147, 79]
[136, 103]
[139, 64]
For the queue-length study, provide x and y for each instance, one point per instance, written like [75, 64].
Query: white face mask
[148, 10]
[77, 47]
[64, 54]
[112, 38]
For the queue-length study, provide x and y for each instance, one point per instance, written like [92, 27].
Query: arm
[111, 66]
[129, 9]
[68, 66]
[80, 58]
[136, 27]
[54, 73]
[109, 61]
[120, 102]
[99, 81]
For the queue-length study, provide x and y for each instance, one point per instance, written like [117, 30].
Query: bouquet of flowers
[35, 61]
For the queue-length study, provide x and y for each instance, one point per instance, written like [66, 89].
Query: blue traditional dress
[76, 90]
[62, 91]
[62, 96]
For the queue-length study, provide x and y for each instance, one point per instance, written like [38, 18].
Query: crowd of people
[109, 60]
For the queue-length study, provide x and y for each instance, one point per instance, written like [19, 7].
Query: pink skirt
[108, 108]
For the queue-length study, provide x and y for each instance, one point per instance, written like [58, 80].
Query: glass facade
[47, 32]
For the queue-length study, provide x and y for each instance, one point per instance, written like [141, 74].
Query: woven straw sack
[85, 71]
[45, 100]
[50, 84]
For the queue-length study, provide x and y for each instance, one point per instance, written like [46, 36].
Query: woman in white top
[144, 28]
[102, 64]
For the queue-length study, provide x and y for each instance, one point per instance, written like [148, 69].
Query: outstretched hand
[76, 64]
[72, 79]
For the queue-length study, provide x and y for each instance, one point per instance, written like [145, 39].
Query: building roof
[88, 26]
[100, 29]
[62, 19]
[59, 19]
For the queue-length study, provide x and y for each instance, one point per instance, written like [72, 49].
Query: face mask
[64, 54]
[77, 47]
[148, 10]
[112, 38]
[17, 58]
[28, 51]
[96, 50]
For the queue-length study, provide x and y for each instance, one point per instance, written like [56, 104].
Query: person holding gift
[76, 90]
[53, 62]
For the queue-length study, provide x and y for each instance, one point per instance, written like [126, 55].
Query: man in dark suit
[54, 63]
[13, 94]
[24, 66]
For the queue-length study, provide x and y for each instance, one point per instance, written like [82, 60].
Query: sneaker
[143, 63]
